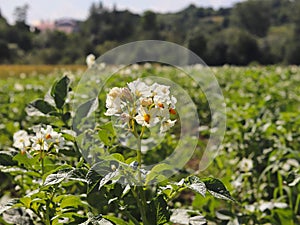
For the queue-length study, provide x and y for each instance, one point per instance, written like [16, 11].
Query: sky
[78, 9]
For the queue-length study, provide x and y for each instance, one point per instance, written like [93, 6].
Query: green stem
[297, 204]
[47, 218]
[22, 182]
[143, 207]
[139, 158]
[279, 178]
[175, 193]
[42, 162]
[141, 199]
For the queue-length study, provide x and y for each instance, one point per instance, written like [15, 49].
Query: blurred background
[220, 32]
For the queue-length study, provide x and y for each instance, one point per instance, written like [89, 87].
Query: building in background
[65, 25]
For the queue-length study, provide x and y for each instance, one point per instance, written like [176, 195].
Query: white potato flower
[21, 140]
[144, 104]
[246, 165]
[147, 118]
[160, 90]
[45, 137]
[90, 60]
[139, 89]
[166, 125]
[113, 102]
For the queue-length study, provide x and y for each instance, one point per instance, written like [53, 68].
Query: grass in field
[17, 70]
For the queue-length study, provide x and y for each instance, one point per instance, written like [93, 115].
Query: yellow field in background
[16, 70]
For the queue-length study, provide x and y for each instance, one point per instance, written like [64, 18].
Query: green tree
[273, 46]
[149, 20]
[20, 13]
[293, 48]
[4, 51]
[253, 16]
[233, 46]
[281, 11]
[197, 43]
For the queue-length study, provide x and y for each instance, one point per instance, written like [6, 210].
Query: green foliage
[83, 111]
[4, 49]
[253, 15]
[200, 29]
[59, 91]
[232, 46]
[107, 133]
[58, 186]
[43, 106]
[256, 174]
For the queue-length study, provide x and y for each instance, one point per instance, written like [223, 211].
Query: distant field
[16, 70]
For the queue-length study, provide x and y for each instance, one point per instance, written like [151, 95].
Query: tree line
[253, 31]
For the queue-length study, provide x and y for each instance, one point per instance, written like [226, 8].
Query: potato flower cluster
[147, 105]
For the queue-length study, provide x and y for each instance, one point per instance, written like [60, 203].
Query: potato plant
[57, 180]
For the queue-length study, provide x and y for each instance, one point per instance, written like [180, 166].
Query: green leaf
[58, 177]
[117, 156]
[8, 205]
[26, 201]
[187, 217]
[43, 106]
[285, 216]
[92, 178]
[159, 211]
[66, 116]
[217, 188]
[65, 172]
[59, 91]
[57, 169]
[115, 220]
[73, 217]
[196, 185]
[107, 134]
[96, 220]
[293, 179]
[102, 222]
[78, 174]
[109, 177]
[84, 111]
[13, 170]
[70, 201]
[68, 136]
[6, 159]
[26, 160]
[159, 173]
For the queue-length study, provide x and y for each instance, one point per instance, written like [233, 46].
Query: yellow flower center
[147, 118]
[161, 105]
[138, 93]
[172, 111]
[40, 141]
[48, 136]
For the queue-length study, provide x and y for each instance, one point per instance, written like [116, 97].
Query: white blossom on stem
[147, 118]
[21, 140]
[45, 137]
[146, 105]
[140, 89]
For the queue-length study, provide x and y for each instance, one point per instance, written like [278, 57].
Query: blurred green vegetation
[253, 31]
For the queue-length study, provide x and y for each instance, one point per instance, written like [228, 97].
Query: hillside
[264, 32]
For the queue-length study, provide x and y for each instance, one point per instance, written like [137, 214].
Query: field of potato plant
[68, 159]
